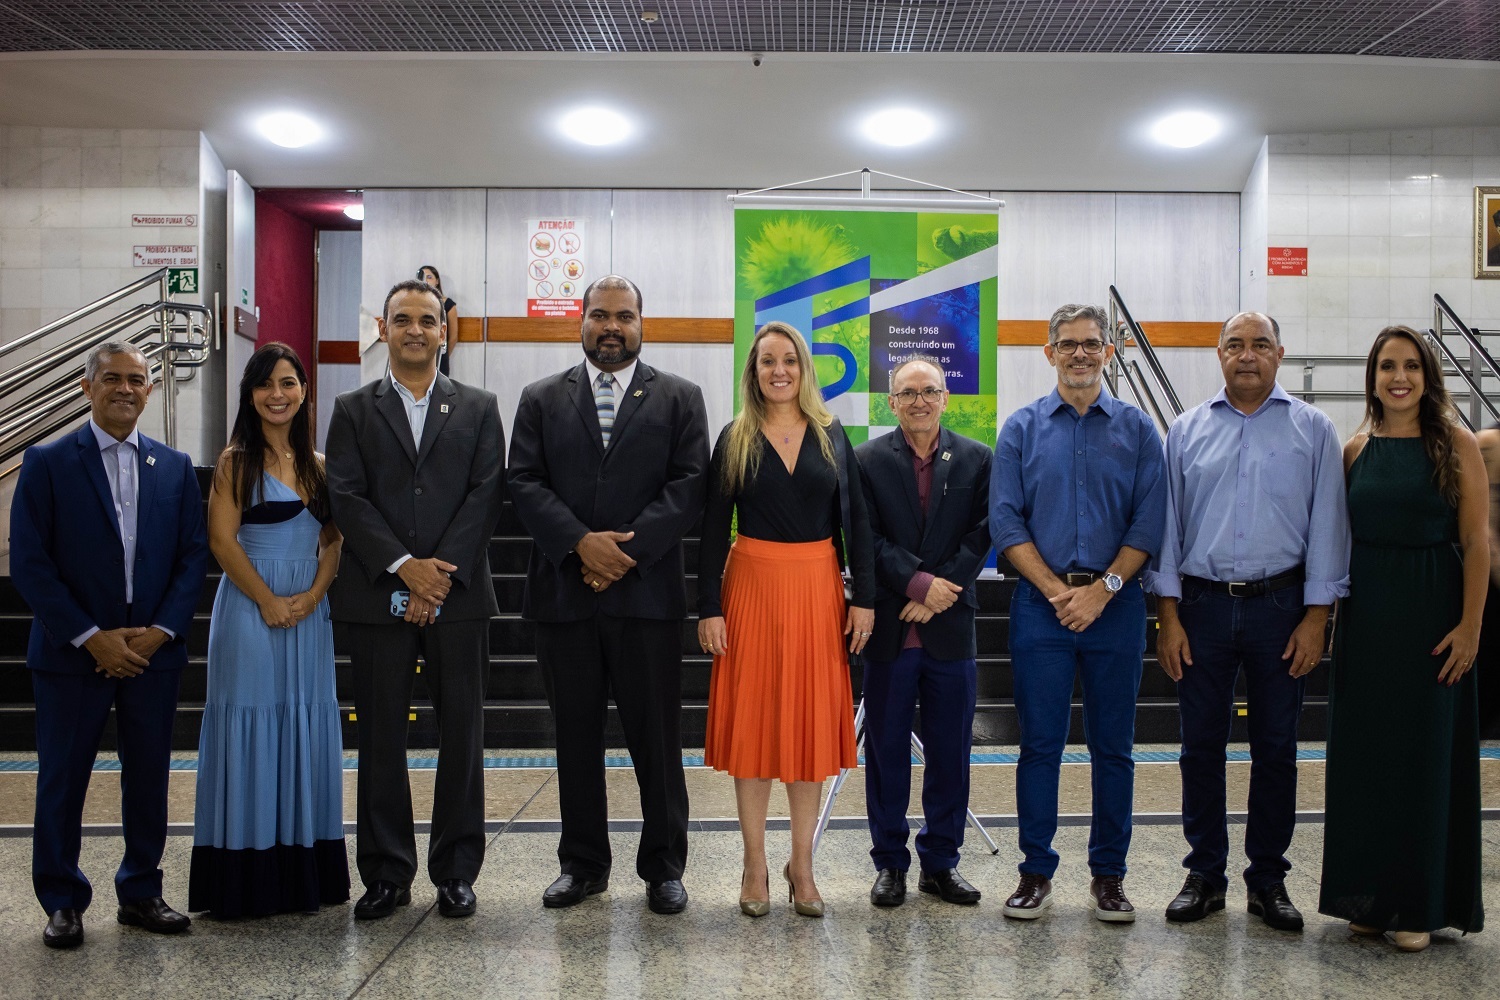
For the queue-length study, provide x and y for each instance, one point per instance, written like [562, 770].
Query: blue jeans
[1045, 657]
[947, 689]
[1226, 635]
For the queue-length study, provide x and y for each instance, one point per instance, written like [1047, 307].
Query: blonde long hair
[742, 449]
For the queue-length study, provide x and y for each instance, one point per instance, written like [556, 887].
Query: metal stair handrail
[1134, 375]
[1480, 361]
[172, 335]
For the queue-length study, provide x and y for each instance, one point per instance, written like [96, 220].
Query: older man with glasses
[1077, 504]
[926, 490]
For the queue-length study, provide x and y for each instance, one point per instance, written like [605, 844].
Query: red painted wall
[285, 268]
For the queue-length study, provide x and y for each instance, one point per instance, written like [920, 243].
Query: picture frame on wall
[1487, 232]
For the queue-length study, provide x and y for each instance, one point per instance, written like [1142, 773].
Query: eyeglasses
[1072, 346]
[906, 397]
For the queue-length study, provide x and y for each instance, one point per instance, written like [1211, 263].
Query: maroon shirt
[921, 581]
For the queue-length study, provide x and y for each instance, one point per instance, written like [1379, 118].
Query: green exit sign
[182, 280]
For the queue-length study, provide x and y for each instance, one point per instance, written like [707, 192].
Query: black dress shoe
[666, 897]
[380, 900]
[950, 885]
[570, 890]
[64, 930]
[889, 888]
[1196, 900]
[1273, 906]
[456, 898]
[153, 915]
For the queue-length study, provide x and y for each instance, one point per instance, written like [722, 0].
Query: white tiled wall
[1387, 219]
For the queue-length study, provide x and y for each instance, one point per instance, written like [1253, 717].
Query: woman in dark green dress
[1401, 848]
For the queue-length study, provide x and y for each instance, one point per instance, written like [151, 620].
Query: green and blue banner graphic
[868, 289]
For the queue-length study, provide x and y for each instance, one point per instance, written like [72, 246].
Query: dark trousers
[456, 659]
[71, 710]
[1046, 656]
[947, 690]
[1226, 635]
[638, 662]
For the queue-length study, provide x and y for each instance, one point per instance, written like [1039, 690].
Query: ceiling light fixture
[595, 126]
[289, 129]
[650, 16]
[898, 127]
[1186, 129]
[355, 212]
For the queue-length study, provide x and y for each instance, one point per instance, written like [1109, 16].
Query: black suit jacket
[565, 484]
[952, 541]
[390, 498]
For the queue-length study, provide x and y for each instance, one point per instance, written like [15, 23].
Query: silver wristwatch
[1112, 582]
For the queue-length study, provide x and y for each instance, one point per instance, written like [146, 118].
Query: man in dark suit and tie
[607, 470]
[415, 475]
[927, 491]
[108, 549]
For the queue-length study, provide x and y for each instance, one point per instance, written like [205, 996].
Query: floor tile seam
[351, 828]
[429, 763]
[716, 824]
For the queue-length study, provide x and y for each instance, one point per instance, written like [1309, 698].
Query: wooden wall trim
[690, 330]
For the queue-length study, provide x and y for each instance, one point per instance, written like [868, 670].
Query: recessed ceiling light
[289, 129]
[595, 126]
[355, 212]
[1186, 129]
[898, 127]
[650, 16]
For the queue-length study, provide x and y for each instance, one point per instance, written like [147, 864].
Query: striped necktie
[604, 404]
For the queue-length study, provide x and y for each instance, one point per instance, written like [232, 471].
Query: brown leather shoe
[1032, 896]
[1110, 904]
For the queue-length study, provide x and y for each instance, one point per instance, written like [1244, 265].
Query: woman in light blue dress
[268, 830]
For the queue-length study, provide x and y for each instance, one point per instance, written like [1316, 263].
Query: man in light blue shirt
[1256, 552]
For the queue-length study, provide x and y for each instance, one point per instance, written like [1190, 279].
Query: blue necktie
[604, 404]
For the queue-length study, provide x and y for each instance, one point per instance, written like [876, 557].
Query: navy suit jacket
[951, 541]
[68, 561]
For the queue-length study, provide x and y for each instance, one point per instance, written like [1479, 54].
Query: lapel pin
[638, 393]
[443, 408]
[150, 459]
[947, 455]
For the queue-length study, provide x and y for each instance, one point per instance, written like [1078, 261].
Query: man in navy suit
[108, 549]
[927, 491]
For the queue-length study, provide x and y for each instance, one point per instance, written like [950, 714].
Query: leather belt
[1252, 588]
[1080, 579]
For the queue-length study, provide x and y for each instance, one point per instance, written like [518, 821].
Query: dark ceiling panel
[1436, 29]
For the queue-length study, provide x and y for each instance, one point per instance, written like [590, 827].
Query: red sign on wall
[1287, 260]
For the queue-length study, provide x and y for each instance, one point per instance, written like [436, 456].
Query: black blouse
[780, 506]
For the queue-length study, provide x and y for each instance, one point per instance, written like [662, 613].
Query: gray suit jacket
[391, 498]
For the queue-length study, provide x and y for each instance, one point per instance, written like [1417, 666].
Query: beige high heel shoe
[1364, 930]
[805, 907]
[1411, 940]
[755, 907]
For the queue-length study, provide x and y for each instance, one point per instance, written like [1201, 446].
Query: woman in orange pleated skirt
[772, 609]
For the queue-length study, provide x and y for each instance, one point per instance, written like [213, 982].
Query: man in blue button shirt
[1256, 551]
[1077, 504]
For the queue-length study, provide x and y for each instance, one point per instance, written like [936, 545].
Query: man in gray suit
[415, 474]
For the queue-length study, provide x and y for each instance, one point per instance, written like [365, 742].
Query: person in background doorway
[108, 549]
[429, 276]
[1402, 844]
[268, 829]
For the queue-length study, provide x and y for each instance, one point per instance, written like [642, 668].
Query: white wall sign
[164, 220]
[556, 267]
[164, 255]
